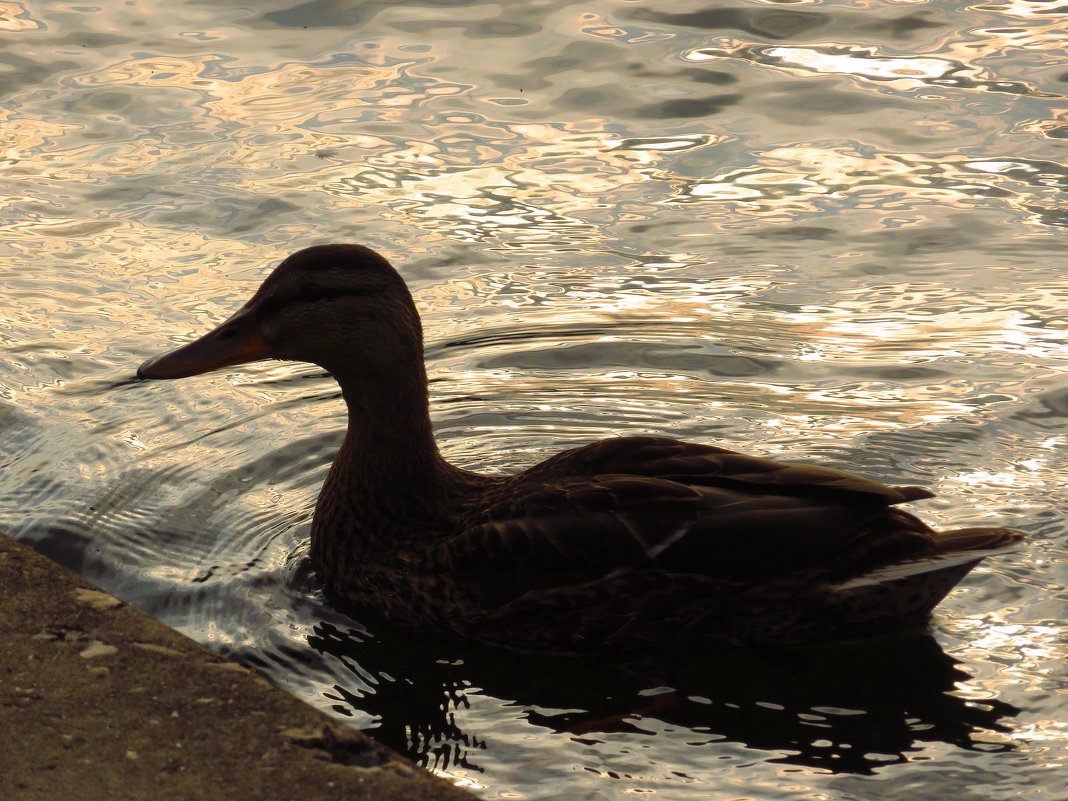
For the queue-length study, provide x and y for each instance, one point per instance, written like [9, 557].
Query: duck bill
[236, 341]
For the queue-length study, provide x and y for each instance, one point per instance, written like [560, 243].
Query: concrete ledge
[99, 701]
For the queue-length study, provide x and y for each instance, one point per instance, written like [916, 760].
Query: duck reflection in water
[847, 707]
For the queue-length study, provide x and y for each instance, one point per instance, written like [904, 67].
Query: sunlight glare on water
[824, 231]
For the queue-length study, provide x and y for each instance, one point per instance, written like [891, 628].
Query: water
[823, 231]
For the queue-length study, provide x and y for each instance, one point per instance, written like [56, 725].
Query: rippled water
[827, 231]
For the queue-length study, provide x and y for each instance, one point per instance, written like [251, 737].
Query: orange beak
[236, 341]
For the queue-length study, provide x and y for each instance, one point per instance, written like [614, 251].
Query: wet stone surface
[96, 695]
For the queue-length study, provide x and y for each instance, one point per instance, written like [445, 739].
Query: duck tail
[956, 552]
[987, 540]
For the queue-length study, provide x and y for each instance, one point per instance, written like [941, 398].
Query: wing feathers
[653, 504]
[705, 464]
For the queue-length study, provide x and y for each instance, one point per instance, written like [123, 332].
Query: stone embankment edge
[100, 701]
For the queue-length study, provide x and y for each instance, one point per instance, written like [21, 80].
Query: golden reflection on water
[14, 18]
[815, 229]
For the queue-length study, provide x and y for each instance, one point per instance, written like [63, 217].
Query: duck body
[646, 542]
[626, 544]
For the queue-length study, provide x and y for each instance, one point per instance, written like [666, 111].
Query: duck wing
[698, 464]
[652, 504]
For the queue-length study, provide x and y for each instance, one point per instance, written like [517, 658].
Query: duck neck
[390, 442]
[388, 486]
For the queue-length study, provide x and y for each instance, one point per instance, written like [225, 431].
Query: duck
[628, 544]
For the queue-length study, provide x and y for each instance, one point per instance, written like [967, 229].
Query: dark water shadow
[845, 707]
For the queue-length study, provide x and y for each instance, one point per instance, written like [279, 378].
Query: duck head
[342, 307]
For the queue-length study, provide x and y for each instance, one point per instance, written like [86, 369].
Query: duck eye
[311, 292]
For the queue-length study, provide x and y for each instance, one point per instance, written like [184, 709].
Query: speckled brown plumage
[627, 543]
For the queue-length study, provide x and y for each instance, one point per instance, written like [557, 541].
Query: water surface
[819, 231]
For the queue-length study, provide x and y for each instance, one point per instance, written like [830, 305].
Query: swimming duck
[627, 543]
